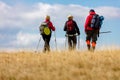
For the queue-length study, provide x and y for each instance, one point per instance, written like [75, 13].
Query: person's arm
[86, 23]
[76, 27]
[51, 26]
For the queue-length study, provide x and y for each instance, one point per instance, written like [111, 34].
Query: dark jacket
[75, 29]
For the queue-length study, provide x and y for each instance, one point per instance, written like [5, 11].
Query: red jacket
[50, 24]
[88, 21]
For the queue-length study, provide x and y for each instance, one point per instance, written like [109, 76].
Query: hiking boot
[88, 46]
[44, 50]
[93, 46]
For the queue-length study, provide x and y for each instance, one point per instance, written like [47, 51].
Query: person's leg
[47, 43]
[88, 44]
[88, 38]
[69, 43]
[94, 39]
[74, 39]
[44, 38]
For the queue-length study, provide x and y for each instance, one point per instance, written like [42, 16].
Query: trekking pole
[55, 40]
[38, 45]
[105, 32]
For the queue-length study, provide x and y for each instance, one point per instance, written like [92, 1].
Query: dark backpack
[95, 22]
[44, 29]
[70, 26]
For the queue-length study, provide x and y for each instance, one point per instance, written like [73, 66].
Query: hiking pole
[38, 45]
[105, 32]
[55, 40]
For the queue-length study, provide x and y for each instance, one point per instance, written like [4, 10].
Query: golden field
[60, 65]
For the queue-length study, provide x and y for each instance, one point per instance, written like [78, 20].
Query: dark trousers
[92, 35]
[72, 41]
[46, 39]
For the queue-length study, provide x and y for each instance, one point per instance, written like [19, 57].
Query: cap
[70, 17]
[91, 10]
[47, 17]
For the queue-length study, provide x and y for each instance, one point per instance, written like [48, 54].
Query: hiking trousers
[72, 41]
[92, 35]
[46, 39]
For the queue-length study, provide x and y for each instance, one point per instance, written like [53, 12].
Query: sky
[20, 21]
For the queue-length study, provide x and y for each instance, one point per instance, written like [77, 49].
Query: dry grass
[60, 65]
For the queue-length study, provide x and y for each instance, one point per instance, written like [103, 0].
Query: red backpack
[70, 26]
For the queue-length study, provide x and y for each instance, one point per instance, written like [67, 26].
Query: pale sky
[20, 19]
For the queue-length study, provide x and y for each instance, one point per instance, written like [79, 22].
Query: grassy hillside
[62, 65]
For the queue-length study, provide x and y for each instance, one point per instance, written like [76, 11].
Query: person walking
[71, 29]
[46, 29]
[91, 33]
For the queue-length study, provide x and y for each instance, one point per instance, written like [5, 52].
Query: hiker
[90, 30]
[46, 29]
[71, 29]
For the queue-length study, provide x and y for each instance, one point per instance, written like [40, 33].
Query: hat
[70, 16]
[91, 10]
[47, 17]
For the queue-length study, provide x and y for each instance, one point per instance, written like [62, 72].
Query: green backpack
[44, 29]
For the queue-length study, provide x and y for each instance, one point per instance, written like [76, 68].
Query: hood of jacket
[92, 13]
